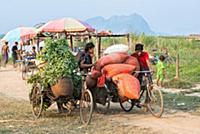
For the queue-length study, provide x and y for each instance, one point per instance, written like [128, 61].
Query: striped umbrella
[68, 25]
[20, 34]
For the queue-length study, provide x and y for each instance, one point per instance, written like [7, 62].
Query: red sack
[95, 74]
[101, 81]
[110, 59]
[128, 86]
[133, 61]
[113, 69]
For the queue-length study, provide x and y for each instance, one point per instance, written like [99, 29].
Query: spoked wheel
[86, 107]
[127, 106]
[155, 102]
[36, 101]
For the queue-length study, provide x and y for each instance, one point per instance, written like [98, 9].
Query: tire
[36, 99]
[127, 106]
[86, 107]
[155, 102]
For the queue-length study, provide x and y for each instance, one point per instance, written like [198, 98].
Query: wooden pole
[177, 63]
[89, 37]
[99, 48]
[71, 42]
[177, 66]
[128, 40]
[38, 44]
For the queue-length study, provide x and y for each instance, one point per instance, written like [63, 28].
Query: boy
[85, 62]
[160, 71]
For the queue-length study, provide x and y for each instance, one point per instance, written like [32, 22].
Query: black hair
[89, 46]
[16, 43]
[6, 42]
[139, 47]
[162, 58]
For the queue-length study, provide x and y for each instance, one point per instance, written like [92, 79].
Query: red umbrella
[68, 25]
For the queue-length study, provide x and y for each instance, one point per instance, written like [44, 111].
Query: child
[160, 71]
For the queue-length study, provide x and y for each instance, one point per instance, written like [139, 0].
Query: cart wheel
[155, 102]
[127, 106]
[37, 101]
[86, 107]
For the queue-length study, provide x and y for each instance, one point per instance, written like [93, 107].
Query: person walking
[14, 54]
[5, 51]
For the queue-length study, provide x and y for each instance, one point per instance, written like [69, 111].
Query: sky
[165, 16]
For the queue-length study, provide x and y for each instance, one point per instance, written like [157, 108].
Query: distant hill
[122, 24]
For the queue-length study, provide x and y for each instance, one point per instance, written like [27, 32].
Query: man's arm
[85, 65]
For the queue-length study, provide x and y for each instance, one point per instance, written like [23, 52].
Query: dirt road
[13, 86]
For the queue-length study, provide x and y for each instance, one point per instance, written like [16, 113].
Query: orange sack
[95, 74]
[113, 69]
[133, 61]
[128, 86]
[110, 59]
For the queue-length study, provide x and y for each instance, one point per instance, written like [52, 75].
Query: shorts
[161, 77]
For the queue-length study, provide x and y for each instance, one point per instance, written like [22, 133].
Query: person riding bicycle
[85, 61]
[143, 58]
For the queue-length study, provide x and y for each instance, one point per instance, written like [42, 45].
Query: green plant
[60, 63]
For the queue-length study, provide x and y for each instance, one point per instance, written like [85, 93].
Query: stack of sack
[118, 67]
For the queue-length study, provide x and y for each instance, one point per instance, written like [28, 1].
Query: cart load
[118, 67]
[57, 75]
[116, 49]
[128, 86]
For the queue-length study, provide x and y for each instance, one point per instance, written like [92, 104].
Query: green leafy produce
[60, 63]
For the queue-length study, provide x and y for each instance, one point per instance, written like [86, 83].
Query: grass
[5, 131]
[189, 53]
[181, 102]
[173, 83]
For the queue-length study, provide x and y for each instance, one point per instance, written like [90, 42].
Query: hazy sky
[168, 16]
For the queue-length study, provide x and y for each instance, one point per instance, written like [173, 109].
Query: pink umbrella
[68, 25]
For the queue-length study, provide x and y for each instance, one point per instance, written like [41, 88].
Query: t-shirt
[160, 66]
[14, 48]
[86, 58]
[143, 58]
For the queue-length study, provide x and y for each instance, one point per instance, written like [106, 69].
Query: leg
[157, 82]
[59, 105]
[162, 81]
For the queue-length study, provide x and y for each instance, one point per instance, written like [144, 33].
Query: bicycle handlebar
[143, 72]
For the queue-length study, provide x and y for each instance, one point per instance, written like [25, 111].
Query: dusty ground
[15, 116]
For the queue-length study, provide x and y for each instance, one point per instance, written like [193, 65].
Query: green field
[189, 53]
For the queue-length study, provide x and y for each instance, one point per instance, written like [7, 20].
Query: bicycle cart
[42, 98]
[150, 98]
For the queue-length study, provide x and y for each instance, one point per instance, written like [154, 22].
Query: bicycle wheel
[127, 106]
[36, 99]
[86, 107]
[155, 102]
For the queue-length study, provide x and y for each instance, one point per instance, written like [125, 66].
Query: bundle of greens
[60, 63]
